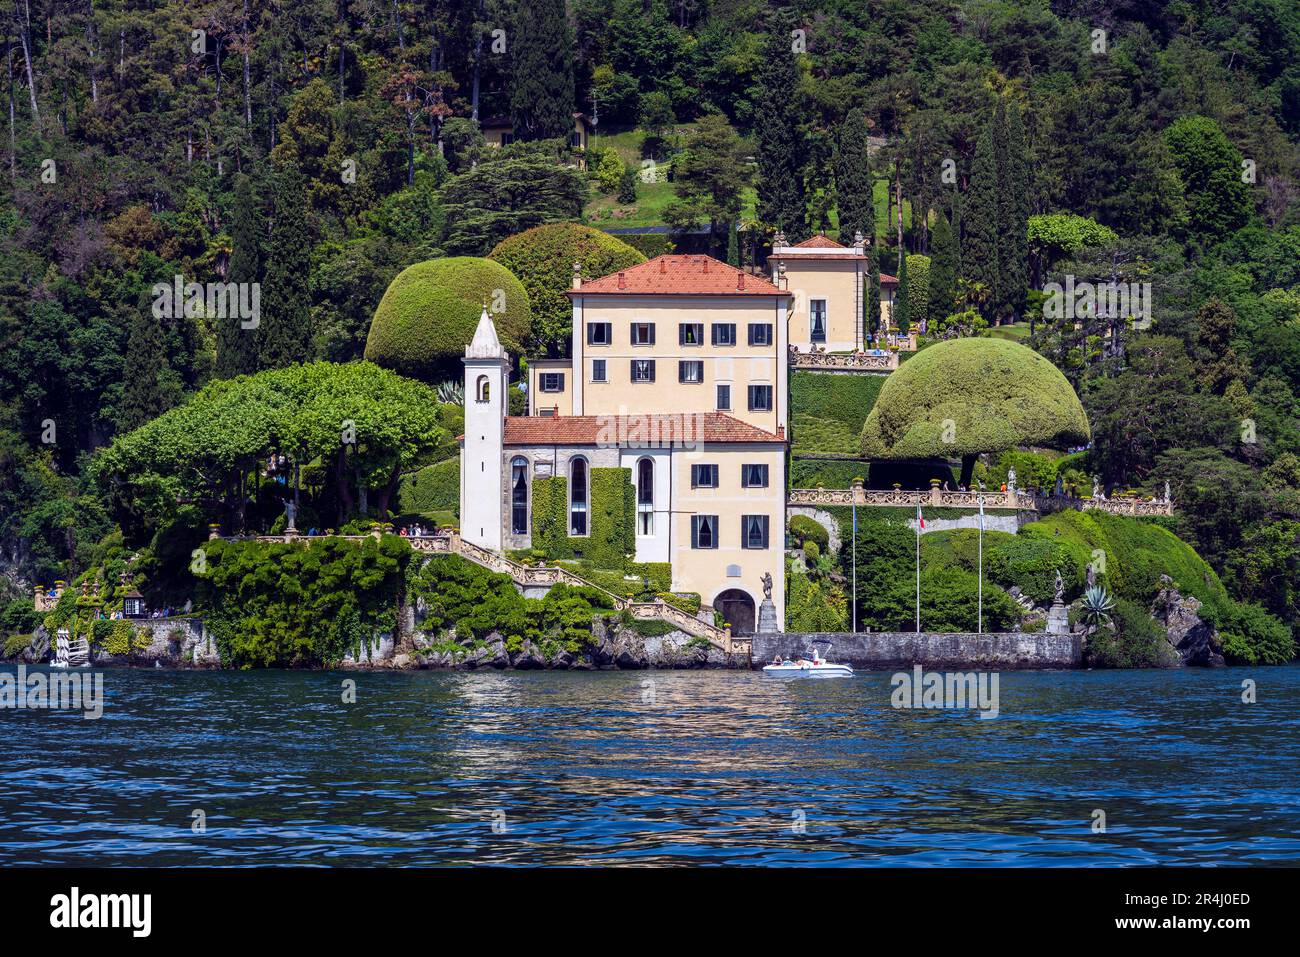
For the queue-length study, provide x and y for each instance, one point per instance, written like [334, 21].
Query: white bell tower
[482, 478]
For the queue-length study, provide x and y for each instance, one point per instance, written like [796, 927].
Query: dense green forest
[320, 147]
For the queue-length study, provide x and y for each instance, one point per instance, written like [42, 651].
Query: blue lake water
[642, 768]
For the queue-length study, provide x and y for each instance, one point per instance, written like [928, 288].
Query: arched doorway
[736, 607]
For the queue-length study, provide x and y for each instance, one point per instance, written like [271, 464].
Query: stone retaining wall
[896, 650]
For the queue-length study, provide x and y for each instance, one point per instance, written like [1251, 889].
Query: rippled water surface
[654, 768]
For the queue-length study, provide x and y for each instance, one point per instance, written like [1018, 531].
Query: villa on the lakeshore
[677, 377]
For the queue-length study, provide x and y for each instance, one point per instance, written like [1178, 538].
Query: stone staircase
[543, 576]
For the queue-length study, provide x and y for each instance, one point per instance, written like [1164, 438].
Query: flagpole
[854, 622]
[979, 619]
[919, 522]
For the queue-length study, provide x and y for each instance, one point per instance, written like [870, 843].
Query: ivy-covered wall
[610, 514]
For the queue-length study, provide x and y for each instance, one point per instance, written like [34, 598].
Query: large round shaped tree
[543, 258]
[970, 396]
[429, 312]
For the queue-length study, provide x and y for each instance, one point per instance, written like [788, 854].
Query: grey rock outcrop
[1196, 642]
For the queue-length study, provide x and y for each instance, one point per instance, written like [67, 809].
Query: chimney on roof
[705, 260]
[780, 431]
[663, 266]
[622, 280]
[577, 275]
[740, 280]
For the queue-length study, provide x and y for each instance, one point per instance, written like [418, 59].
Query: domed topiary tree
[543, 258]
[969, 396]
[428, 315]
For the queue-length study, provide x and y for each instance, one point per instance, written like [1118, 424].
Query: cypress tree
[627, 187]
[541, 77]
[144, 396]
[237, 346]
[1004, 295]
[903, 304]
[779, 140]
[1016, 235]
[853, 180]
[980, 249]
[873, 297]
[943, 272]
[285, 327]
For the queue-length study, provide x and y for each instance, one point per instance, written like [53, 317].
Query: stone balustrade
[844, 361]
[938, 497]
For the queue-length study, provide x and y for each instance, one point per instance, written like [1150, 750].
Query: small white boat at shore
[812, 667]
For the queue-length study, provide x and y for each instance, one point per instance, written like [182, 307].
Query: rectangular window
[755, 528]
[598, 370]
[817, 320]
[704, 476]
[760, 333]
[643, 333]
[704, 531]
[599, 333]
[724, 398]
[551, 381]
[643, 370]
[760, 398]
[690, 370]
[724, 333]
[690, 334]
[753, 476]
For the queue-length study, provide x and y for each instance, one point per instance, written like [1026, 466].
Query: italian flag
[920, 519]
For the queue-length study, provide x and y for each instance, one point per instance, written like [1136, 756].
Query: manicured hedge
[430, 311]
[543, 257]
[828, 473]
[967, 396]
[434, 488]
[827, 411]
[649, 245]
[610, 514]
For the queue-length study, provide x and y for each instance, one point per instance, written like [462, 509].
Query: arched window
[578, 492]
[519, 496]
[482, 391]
[645, 497]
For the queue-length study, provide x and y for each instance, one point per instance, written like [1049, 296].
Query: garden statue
[1092, 574]
[1060, 487]
[767, 585]
[1096, 488]
[1060, 587]
[290, 515]
[1011, 479]
[1166, 491]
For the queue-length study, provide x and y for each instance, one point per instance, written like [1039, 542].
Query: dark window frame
[696, 525]
[764, 523]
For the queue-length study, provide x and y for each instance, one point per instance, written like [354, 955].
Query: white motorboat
[811, 667]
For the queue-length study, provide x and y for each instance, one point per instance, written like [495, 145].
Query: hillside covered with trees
[321, 147]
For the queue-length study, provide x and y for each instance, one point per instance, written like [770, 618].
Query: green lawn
[827, 412]
[1016, 331]
[604, 210]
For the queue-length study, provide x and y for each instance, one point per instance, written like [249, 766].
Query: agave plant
[451, 391]
[1096, 606]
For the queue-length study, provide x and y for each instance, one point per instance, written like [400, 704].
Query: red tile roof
[633, 430]
[681, 276]
[820, 242]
